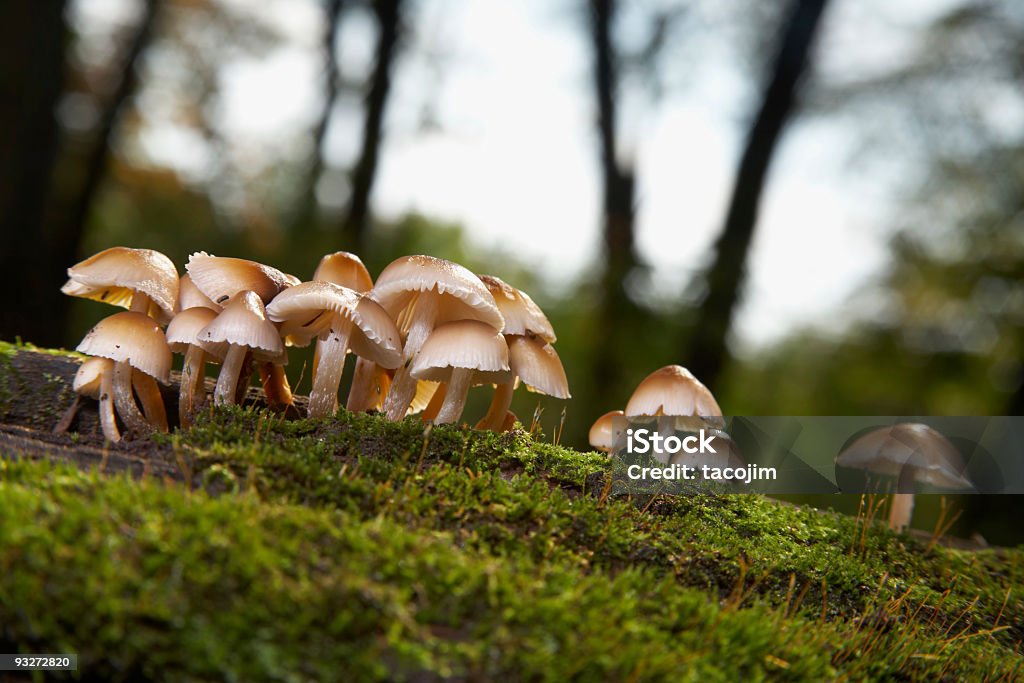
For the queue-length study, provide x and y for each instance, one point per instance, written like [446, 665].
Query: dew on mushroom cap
[143, 280]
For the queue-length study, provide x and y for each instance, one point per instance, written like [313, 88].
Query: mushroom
[142, 280]
[183, 337]
[370, 382]
[140, 353]
[190, 296]
[244, 327]
[339, 318]
[673, 392]
[420, 293]
[538, 366]
[461, 354]
[89, 382]
[603, 436]
[912, 452]
[220, 278]
[529, 335]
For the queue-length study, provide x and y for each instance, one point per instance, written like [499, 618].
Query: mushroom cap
[466, 344]
[727, 453]
[189, 296]
[183, 331]
[673, 391]
[243, 322]
[888, 450]
[114, 275]
[220, 278]
[522, 315]
[131, 338]
[602, 435]
[308, 309]
[463, 295]
[346, 269]
[538, 365]
[90, 375]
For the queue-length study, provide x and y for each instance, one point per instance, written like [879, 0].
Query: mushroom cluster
[423, 335]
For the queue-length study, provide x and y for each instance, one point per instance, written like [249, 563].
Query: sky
[510, 152]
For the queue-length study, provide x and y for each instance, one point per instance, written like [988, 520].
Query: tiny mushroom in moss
[244, 327]
[462, 354]
[141, 280]
[140, 353]
[912, 452]
[95, 380]
[603, 435]
[339, 318]
[420, 293]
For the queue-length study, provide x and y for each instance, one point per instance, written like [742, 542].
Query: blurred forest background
[122, 123]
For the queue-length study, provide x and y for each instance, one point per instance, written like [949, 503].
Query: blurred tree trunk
[617, 310]
[32, 47]
[306, 217]
[707, 353]
[357, 219]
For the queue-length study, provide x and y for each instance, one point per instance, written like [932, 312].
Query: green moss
[297, 549]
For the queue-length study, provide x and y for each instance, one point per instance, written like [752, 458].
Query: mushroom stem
[903, 500]
[108, 420]
[227, 380]
[68, 417]
[193, 375]
[455, 398]
[436, 401]
[400, 395]
[140, 303]
[422, 324]
[323, 399]
[275, 386]
[244, 378]
[494, 420]
[151, 399]
[124, 400]
[362, 395]
[666, 428]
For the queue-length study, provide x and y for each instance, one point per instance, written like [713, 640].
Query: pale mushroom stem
[275, 385]
[227, 380]
[666, 428]
[403, 386]
[108, 419]
[323, 399]
[244, 378]
[140, 303]
[903, 500]
[400, 395]
[455, 399]
[151, 399]
[361, 396]
[193, 374]
[436, 401]
[494, 420]
[124, 400]
[68, 417]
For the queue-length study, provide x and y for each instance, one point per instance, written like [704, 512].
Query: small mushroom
[603, 436]
[183, 337]
[673, 392]
[339, 318]
[914, 453]
[420, 293]
[244, 327]
[461, 354]
[346, 269]
[140, 353]
[142, 280]
[89, 382]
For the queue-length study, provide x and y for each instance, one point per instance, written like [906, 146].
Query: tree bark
[725, 278]
[357, 219]
[32, 48]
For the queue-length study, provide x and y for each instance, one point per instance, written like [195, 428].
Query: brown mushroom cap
[465, 296]
[672, 391]
[90, 375]
[537, 365]
[114, 275]
[189, 296]
[889, 450]
[522, 315]
[465, 344]
[305, 311]
[602, 436]
[131, 338]
[345, 269]
[220, 278]
[183, 331]
[243, 322]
